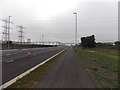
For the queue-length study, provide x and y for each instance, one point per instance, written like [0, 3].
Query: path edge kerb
[28, 71]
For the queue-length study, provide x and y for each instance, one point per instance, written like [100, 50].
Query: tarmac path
[68, 72]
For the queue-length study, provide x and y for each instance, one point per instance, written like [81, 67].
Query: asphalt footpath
[68, 72]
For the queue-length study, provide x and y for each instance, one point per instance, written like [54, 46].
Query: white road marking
[8, 54]
[28, 71]
[9, 61]
[91, 51]
[24, 49]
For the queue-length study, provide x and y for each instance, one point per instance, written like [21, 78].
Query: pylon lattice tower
[21, 36]
[5, 32]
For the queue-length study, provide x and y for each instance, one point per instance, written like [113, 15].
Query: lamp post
[42, 39]
[75, 28]
[9, 31]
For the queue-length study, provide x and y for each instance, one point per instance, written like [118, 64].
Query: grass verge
[114, 52]
[103, 68]
[31, 79]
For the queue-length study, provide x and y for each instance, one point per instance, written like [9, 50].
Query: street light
[75, 28]
[42, 39]
[9, 31]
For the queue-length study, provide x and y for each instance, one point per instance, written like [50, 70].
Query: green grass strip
[95, 62]
[104, 60]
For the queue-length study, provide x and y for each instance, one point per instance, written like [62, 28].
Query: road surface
[16, 62]
[68, 72]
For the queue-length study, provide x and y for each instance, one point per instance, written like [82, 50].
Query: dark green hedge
[88, 42]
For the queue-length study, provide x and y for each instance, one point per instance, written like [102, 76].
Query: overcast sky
[55, 19]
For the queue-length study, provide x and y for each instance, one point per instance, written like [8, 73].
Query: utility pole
[75, 28]
[21, 36]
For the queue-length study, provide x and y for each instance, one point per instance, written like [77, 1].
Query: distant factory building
[28, 41]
